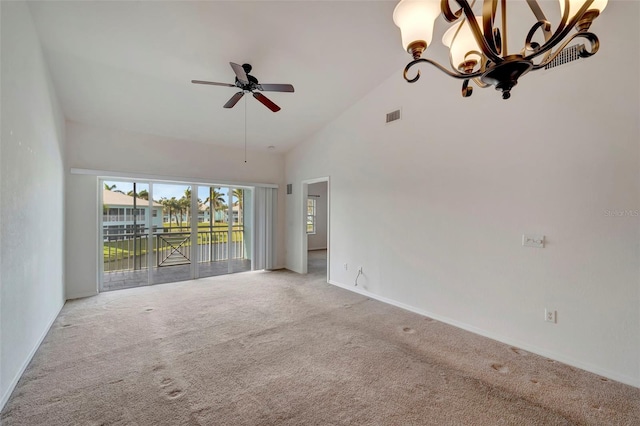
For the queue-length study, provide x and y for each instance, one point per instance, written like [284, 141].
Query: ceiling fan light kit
[249, 84]
[478, 44]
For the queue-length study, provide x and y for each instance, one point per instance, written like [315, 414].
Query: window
[311, 216]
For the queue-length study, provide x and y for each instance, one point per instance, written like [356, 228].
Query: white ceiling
[128, 65]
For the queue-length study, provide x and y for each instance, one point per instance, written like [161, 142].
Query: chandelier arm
[535, 8]
[448, 14]
[541, 17]
[563, 29]
[582, 51]
[438, 66]
[481, 39]
[488, 16]
[503, 7]
[530, 45]
[467, 90]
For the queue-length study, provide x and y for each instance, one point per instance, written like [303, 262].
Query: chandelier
[478, 44]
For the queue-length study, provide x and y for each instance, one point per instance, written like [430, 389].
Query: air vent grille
[567, 55]
[289, 188]
[393, 116]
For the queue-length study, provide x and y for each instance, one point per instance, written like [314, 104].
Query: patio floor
[127, 279]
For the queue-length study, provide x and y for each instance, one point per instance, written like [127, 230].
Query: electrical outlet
[346, 267]
[550, 315]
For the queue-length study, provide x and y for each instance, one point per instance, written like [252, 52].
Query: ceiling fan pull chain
[245, 130]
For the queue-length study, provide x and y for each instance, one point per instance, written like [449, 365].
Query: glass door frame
[195, 272]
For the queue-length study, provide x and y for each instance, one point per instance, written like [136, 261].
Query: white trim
[106, 174]
[328, 228]
[230, 219]
[512, 342]
[195, 257]
[25, 364]
[304, 237]
[81, 295]
[149, 232]
[100, 248]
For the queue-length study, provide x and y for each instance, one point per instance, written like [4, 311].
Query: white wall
[97, 148]
[318, 240]
[31, 197]
[434, 206]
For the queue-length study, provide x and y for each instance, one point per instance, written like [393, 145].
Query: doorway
[315, 247]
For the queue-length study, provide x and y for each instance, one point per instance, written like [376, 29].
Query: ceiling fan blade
[212, 83]
[276, 87]
[266, 102]
[242, 76]
[234, 100]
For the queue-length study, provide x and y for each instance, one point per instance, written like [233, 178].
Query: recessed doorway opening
[315, 245]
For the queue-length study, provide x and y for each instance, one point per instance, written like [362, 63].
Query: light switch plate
[530, 240]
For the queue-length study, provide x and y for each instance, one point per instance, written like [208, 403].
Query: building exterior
[119, 215]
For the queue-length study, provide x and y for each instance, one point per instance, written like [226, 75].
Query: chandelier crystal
[478, 44]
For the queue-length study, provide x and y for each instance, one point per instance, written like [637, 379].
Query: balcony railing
[128, 250]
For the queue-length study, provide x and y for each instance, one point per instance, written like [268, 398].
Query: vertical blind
[266, 213]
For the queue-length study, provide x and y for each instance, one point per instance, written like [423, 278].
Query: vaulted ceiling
[128, 65]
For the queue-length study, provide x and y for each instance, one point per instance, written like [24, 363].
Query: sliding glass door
[172, 242]
[155, 232]
[126, 222]
[221, 234]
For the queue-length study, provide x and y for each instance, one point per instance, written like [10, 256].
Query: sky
[161, 190]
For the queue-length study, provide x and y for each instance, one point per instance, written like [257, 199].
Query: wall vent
[393, 116]
[289, 188]
[567, 55]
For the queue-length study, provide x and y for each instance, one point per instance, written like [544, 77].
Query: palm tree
[166, 207]
[216, 202]
[185, 202]
[239, 195]
[144, 194]
[112, 188]
[177, 208]
[184, 205]
[172, 206]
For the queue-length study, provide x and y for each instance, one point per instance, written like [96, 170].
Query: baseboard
[512, 342]
[25, 364]
[81, 295]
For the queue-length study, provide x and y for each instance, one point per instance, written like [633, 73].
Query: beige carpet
[276, 348]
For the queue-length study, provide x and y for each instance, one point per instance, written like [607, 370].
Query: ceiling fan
[248, 83]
